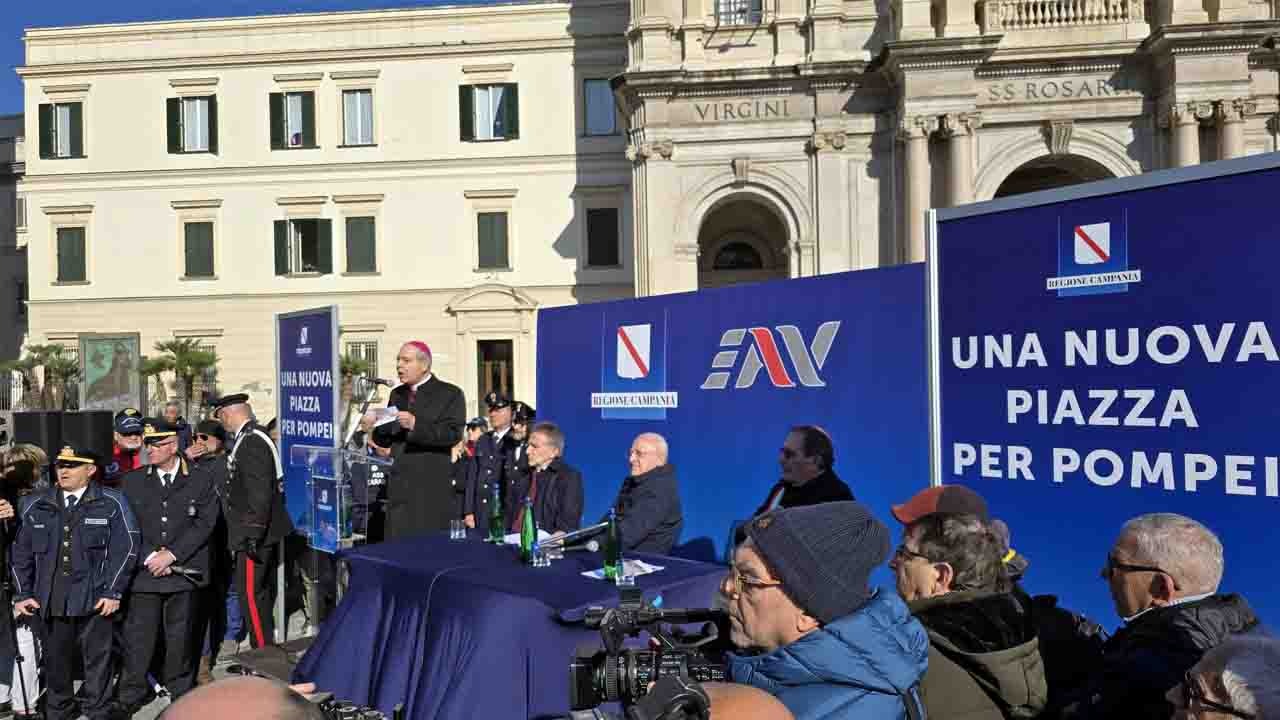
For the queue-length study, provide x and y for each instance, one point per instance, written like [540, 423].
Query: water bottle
[496, 529]
[528, 532]
[612, 550]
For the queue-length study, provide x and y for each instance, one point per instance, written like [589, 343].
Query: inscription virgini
[742, 110]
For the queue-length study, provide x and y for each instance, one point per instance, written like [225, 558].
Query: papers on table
[632, 568]
[514, 538]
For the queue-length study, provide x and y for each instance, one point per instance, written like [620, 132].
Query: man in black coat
[807, 460]
[554, 486]
[491, 464]
[253, 505]
[1163, 573]
[648, 505]
[429, 423]
[176, 508]
[75, 553]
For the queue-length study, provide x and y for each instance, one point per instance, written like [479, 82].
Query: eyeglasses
[740, 581]
[1112, 567]
[903, 554]
[1193, 697]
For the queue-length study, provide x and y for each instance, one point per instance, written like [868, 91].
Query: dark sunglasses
[1193, 697]
[131, 434]
[1112, 567]
[67, 465]
[203, 436]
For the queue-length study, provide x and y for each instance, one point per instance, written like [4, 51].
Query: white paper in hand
[382, 416]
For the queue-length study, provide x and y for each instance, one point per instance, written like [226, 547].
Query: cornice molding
[490, 194]
[355, 74]
[193, 82]
[362, 198]
[901, 56]
[362, 328]
[67, 209]
[301, 200]
[488, 68]
[298, 77]
[195, 204]
[198, 332]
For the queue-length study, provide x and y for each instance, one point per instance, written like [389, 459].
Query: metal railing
[739, 12]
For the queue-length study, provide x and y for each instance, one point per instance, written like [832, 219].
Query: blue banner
[724, 374]
[308, 378]
[1108, 350]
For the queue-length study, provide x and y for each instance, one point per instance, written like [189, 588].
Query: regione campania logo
[633, 382]
[1093, 258]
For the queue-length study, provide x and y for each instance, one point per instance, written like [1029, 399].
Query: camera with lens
[334, 709]
[619, 674]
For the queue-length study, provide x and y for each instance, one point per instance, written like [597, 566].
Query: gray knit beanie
[823, 554]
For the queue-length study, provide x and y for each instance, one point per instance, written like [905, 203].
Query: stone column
[959, 128]
[662, 263]
[914, 133]
[1183, 121]
[1231, 116]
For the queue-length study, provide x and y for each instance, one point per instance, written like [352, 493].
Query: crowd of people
[180, 536]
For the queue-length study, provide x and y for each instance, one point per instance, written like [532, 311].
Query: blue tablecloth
[463, 630]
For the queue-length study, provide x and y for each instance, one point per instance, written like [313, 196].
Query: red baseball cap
[942, 499]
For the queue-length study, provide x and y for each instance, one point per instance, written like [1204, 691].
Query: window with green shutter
[71, 255]
[293, 120]
[303, 246]
[192, 124]
[61, 130]
[602, 237]
[362, 255]
[198, 249]
[492, 241]
[489, 112]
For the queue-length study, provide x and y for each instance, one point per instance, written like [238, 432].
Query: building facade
[13, 255]
[442, 173]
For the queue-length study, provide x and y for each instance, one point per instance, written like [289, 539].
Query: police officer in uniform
[253, 504]
[493, 451]
[177, 509]
[517, 471]
[72, 562]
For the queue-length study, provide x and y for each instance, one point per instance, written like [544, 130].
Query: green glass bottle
[612, 550]
[496, 530]
[528, 532]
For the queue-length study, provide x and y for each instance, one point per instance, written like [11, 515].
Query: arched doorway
[741, 240]
[1051, 171]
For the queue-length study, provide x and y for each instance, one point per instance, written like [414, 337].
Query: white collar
[241, 428]
[177, 465]
[423, 380]
[1179, 601]
[499, 434]
[77, 494]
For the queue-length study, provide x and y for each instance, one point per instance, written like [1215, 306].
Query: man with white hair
[1238, 679]
[431, 414]
[648, 505]
[1163, 573]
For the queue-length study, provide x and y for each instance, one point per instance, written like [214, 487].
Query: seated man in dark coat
[806, 460]
[1163, 573]
[648, 505]
[554, 485]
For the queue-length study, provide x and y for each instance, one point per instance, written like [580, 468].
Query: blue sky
[21, 14]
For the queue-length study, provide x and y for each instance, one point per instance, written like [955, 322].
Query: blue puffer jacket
[864, 665]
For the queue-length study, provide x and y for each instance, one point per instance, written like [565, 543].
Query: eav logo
[762, 354]
[302, 336]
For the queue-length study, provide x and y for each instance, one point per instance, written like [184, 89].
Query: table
[461, 629]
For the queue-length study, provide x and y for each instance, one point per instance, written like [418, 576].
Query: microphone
[378, 381]
[588, 546]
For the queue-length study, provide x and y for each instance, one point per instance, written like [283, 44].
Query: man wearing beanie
[810, 630]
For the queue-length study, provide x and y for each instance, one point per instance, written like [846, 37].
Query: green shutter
[324, 246]
[361, 245]
[276, 102]
[46, 130]
[173, 121]
[71, 266]
[511, 111]
[466, 113]
[77, 129]
[282, 247]
[492, 240]
[213, 124]
[308, 119]
[199, 249]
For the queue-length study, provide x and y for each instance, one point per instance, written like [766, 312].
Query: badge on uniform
[95, 521]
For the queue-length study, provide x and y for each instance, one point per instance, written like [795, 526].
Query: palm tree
[152, 369]
[188, 362]
[26, 367]
[60, 370]
[349, 367]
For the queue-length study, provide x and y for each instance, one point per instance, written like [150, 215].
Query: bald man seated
[243, 697]
[648, 505]
[730, 701]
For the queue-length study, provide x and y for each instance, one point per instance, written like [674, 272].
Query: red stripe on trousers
[254, 618]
